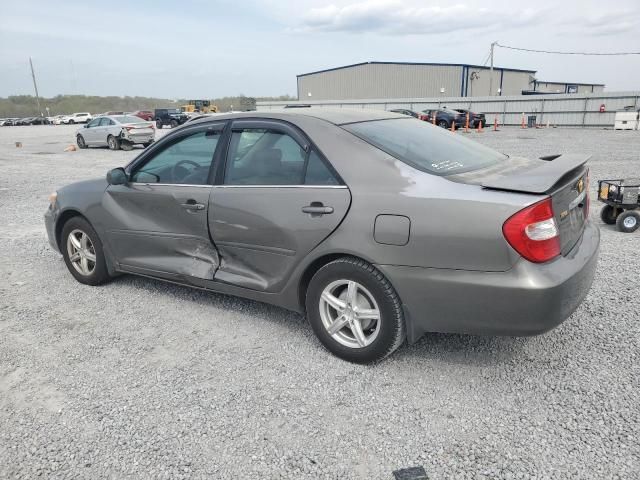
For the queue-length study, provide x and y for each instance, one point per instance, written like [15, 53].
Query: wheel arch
[315, 265]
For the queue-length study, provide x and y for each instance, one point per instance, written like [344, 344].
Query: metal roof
[572, 83]
[417, 63]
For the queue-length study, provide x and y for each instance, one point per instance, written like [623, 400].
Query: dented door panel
[161, 228]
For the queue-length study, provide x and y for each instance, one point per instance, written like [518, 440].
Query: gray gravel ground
[141, 379]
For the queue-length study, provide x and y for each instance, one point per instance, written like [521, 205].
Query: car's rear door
[157, 222]
[275, 200]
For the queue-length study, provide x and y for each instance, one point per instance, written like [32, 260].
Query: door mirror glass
[117, 176]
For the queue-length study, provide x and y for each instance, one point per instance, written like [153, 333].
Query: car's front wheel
[80, 141]
[83, 253]
[174, 123]
[71, 122]
[443, 124]
[355, 311]
[159, 124]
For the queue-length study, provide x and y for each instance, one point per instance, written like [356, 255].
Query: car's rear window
[424, 146]
[128, 119]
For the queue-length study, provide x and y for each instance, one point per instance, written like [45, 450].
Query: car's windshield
[426, 147]
[128, 119]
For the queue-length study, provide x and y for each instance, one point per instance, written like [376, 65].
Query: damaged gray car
[378, 226]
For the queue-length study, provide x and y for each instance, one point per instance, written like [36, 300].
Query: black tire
[80, 141]
[391, 332]
[100, 273]
[113, 142]
[126, 145]
[71, 122]
[174, 123]
[443, 124]
[145, 145]
[629, 221]
[609, 214]
[159, 124]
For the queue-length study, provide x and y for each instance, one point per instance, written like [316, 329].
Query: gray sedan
[380, 227]
[115, 132]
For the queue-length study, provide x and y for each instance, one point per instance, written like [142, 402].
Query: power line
[568, 53]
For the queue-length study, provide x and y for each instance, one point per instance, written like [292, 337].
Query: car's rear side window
[425, 146]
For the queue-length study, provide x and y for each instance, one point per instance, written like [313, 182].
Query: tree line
[26, 105]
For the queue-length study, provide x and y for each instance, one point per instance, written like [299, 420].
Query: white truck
[79, 117]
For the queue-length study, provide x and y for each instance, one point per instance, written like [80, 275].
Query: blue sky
[205, 49]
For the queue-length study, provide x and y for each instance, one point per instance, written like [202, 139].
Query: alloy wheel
[630, 222]
[82, 253]
[350, 314]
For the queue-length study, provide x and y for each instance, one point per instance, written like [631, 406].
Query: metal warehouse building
[370, 80]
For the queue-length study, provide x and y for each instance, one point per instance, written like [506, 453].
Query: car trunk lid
[563, 177]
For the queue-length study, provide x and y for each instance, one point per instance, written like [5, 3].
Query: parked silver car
[379, 226]
[115, 132]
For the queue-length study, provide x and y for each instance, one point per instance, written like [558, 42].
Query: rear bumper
[529, 299]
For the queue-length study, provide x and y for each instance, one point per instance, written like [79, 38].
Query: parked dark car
[169, 116]
[24, 121]
[474, 118]
[39, 121]
[411, 113]
[144, 114]
[445, 117]
[379, 227]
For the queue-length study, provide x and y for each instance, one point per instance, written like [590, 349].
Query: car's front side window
[93, 123]
[185, 162]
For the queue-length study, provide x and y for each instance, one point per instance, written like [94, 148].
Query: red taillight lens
[533, 232]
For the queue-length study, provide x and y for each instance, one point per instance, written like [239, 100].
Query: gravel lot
[141, 379]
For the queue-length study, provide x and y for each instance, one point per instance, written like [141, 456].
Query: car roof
[337, 116]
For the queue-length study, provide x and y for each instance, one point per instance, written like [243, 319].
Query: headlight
[52, 199]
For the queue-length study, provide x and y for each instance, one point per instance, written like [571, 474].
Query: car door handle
[192, 206]
[317, 208]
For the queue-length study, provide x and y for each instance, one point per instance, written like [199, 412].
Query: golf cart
[621, 198]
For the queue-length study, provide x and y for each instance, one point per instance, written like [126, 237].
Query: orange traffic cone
[479, 127]
[466, 125]
[435, 114]
[495, 124]
[453, 126]
[523, 125]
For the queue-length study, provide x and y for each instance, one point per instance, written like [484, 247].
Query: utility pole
[491, 70]
[35, 86]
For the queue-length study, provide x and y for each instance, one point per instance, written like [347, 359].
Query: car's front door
[276, 199]
[89, 133]
[157, 222]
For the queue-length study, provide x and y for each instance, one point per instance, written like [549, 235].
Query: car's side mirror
[117, 176]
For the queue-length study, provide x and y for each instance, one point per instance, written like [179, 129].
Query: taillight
[533, 232]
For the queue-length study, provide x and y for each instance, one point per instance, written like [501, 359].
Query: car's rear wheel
[80, 141]
[83, 253]
[159, 124]
[174, 123]
[113, 143]
[443, 124]
[609, 214]
[71, 122]
[354, 311]
[145, 145]
[628, 221]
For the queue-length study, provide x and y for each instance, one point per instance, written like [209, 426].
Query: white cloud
[394, 17]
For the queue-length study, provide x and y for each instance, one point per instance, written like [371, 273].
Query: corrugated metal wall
[384, 80]
[381, 81]
[576, 110]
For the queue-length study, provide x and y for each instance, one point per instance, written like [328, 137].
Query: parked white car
[115, 132]
[57, 120]
[80, 117]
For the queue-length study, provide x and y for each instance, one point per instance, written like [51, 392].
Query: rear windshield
[426, 147]
[128, 119]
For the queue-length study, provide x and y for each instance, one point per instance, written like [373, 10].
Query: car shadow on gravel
[450, 348]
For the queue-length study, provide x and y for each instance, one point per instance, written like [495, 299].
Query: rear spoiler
[541, 178]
